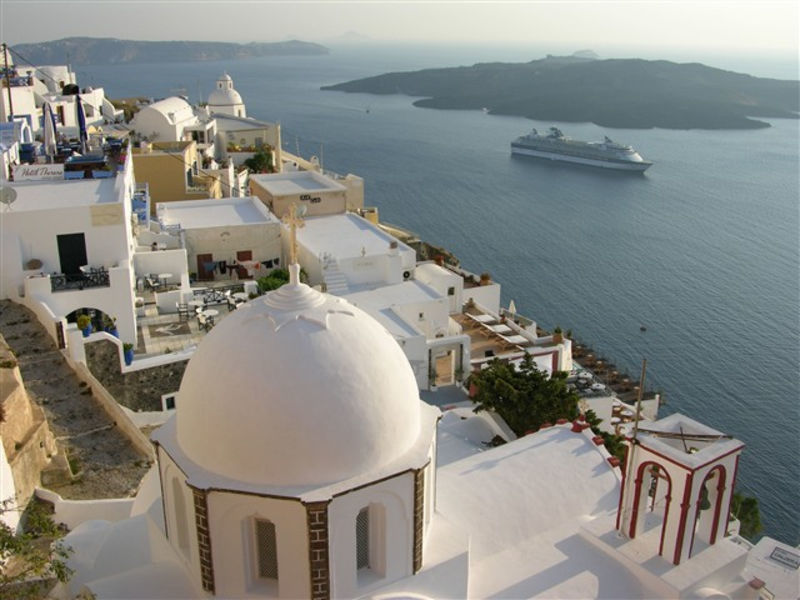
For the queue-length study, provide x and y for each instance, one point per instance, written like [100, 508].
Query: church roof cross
[294, 220]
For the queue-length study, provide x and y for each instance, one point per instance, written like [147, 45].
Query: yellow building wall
[165, 174]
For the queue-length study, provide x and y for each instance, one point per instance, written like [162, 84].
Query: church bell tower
[677, 486]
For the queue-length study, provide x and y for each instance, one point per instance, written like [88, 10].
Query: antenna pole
[629, 461]
[639, 400]
[8, 83]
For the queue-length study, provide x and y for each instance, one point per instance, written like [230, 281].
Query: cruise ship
[556, 146]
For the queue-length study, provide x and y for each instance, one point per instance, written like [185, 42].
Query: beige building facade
[172, 172]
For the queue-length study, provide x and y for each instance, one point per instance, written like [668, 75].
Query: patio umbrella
[84, 138]
[50, 144]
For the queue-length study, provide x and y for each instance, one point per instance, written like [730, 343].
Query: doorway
[240, 256]
[71, 253]
[204, 274]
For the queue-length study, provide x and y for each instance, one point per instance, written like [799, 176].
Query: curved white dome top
[297, 388]
[224, 97]
[224, 94]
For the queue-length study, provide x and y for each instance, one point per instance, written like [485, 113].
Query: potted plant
[558, 337]
[127, 350]
[84, 324]
[110, 325]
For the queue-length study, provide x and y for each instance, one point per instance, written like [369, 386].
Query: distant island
[622, 93]
[101, 51]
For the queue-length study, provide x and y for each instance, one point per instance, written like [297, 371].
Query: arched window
[266, 550]
[362, 539]
[181, 523]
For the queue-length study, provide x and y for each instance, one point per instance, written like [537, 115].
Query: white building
[225, 99]
[68, 245]
[224, 233]
[174, 120]
[31, 87]
[346, 252]
[239, 138]
[326, 479]
[320, 195]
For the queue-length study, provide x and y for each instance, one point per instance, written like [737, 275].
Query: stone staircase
[335, 281]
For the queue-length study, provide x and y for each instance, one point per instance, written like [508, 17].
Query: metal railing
[79, 281]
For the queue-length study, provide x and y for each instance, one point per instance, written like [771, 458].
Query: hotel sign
[38, 172]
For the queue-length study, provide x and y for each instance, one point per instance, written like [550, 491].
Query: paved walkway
[109, 465]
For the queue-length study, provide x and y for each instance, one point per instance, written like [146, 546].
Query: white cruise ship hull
[620, 165]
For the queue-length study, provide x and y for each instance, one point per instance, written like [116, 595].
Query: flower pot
[73, 174]
[100, 174]
[128, 354]
[113, 331]
[87, 331]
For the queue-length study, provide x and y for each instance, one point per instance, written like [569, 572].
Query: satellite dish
[7, 196]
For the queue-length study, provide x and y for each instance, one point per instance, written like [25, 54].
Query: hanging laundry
[210, 267]
[250, 266]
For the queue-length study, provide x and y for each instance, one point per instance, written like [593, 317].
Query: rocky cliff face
[625, 93]
[97, 51]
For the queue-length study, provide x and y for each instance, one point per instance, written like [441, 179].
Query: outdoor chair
[183, 311]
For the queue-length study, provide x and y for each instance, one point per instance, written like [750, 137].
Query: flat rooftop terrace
[202, 214]
[48, 195]
[345, 236]
[296, 182]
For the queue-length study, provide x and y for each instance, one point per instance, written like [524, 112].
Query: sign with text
[38, 172]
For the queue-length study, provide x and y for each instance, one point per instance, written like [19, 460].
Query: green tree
[277, 278]
[260, 162]
[30, 561]
[615, 444]
[745, 508]
[524, 397]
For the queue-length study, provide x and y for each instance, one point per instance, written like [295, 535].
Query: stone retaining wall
[136, 390]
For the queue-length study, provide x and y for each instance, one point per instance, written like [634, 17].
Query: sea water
[702, 250]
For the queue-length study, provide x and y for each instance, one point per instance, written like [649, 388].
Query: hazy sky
[719, 25]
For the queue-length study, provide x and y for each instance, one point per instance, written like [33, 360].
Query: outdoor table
[163, 277]
[210, 312]
[241, 296]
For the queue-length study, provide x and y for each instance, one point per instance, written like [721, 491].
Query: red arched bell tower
[677, 486]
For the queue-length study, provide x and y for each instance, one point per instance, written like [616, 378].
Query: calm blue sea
[703, 249]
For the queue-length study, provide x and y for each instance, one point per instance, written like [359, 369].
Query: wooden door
[71, 253]
[243, 255]
[202, 273]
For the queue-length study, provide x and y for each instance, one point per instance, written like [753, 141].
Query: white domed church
[225, 99]
[297, 463]
[301, 463]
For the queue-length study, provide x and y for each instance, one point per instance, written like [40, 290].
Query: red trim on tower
[687, 490]
[713, 460]
[638, 495]
[712, 539]
[665, 457]
[622, 487]
[733, 483]
[668, 498]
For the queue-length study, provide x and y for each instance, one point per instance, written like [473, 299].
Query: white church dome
[297, 388]
[224, 97]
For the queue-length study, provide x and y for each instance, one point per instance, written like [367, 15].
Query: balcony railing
[80, 281]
